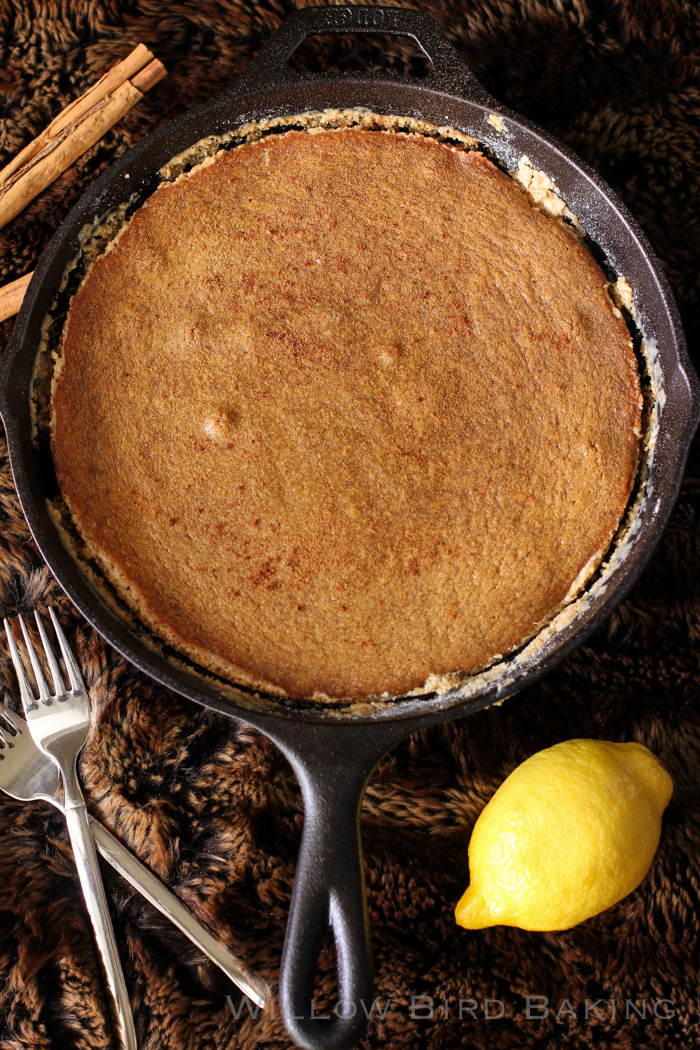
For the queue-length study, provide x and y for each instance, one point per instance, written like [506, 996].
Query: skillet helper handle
[449, 73]
[333, 764]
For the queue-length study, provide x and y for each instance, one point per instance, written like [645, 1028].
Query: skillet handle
[333, 764]
[449, 73]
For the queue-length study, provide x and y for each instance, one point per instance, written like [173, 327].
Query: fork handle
[78, 823]
[150, 887]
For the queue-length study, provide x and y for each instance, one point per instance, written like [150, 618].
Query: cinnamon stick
[12, 294]
[149, 75]
[79, 126]
[76, 110]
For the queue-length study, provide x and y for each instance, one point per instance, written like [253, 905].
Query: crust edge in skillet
[434, 682]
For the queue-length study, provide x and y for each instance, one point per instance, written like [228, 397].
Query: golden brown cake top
[339, 411]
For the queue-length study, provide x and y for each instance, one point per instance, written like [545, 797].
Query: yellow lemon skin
[570, 832]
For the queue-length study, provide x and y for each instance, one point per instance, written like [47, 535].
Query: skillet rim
[680, 416]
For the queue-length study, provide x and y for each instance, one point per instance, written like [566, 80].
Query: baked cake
[340, 411]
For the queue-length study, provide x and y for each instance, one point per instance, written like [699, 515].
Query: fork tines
[4, 741]
[9, 728]
[13, 721]
[45, 694]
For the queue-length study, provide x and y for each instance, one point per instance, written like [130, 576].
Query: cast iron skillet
[334, 753]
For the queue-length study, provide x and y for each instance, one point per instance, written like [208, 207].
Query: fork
[28, 775]
[59, 724]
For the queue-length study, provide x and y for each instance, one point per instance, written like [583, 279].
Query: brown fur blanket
[210, 804]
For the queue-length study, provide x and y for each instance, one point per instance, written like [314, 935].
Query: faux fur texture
[210, 804]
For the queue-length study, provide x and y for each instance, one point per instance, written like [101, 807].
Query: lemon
[570, 832]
